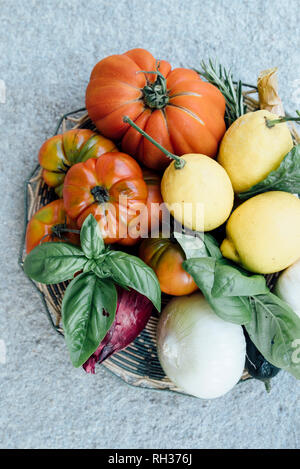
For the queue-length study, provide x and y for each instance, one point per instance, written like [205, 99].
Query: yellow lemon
[199, 195]
[263, 234]
[250, 150]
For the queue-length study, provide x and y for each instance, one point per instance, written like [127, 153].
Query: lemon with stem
[195, 188]
[253, 146]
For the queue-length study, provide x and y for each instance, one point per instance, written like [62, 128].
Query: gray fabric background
[47, 50]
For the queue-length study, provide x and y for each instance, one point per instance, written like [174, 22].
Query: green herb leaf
[192, 245]
[234, 309]
[230, 280]
[134, 273]
[99, 268]
[88, 311]
[275, 330]
[91, 239]
[218, 76]
[198, 245]
[285, 178]
[54, 262]
[212, 246]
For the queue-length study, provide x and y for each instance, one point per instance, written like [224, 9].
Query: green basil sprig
[285, 178]
[239, 297]
[222, 284]
[192, 245]
[198, 245]
[230, 308]
[130, 271]
[274, 328]
[212, 247]
[216, 278]
[90, 300]
[54, 262]
[88, 311]
[231, 280]
[91, 239]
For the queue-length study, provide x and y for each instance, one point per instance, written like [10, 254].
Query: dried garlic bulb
[268, 92]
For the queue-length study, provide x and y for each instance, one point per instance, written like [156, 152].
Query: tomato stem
[179, 162]
[100, 194]
[57, 230]
[156, 94]
[267, 384]
[272, 122]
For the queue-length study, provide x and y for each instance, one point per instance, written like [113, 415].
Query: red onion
[132, 314]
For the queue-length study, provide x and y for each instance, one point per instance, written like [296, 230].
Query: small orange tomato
[62, 151]
[165, 256]
[50, 224]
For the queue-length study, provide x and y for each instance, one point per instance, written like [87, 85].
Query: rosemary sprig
[217, 75]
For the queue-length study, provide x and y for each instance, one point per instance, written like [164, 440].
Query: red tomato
[48, 224]
[165, 256]
[112, 188]
[62, 151]
[175, 107]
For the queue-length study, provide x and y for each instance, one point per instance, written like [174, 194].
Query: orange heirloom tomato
[175, 107]
[150, 218]
[62, 151]
[154, 201]
[165, 256]
[50, 224]
[112, 188]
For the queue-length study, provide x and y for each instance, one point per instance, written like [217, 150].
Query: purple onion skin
[132, 314]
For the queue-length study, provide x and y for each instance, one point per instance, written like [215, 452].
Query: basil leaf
[54, 262]
[88, 311]
[212, 246]
[275, 331]
[192, 245]
[285, 178]
[198, 245]
[234, 309]
[134, 273]
[91, 239]
[230, 280]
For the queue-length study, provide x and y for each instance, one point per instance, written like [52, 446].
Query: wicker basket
[138, 364]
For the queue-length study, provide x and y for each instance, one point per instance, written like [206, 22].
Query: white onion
[288, 286]
[199, 352]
